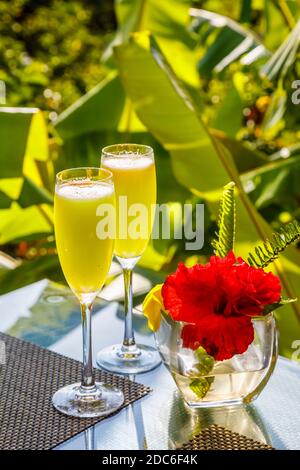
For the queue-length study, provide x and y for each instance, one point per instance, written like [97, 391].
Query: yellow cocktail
[133, 170]
[135, 186]
[85, 258]
[85, 253]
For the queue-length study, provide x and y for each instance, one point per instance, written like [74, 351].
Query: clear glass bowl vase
[204, 382]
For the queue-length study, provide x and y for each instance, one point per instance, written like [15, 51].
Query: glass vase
[205, 382]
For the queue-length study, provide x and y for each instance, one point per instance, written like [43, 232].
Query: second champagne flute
[133, 170]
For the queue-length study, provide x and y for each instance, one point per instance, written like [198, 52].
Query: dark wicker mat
[218, 438]
[28, 380]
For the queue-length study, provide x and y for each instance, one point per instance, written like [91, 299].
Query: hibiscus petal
[221, 337]
[188, 293]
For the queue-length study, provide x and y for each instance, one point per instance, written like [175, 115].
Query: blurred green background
[211, 85]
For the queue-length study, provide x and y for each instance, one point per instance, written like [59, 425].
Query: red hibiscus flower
[217, 301]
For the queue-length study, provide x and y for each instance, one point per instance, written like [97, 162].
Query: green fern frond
[226, 222]
[265, 253]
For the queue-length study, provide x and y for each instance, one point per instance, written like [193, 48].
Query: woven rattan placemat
[218, 438]
[28, 379]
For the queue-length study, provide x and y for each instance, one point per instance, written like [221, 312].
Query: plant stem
[286, 13]
[45, 215]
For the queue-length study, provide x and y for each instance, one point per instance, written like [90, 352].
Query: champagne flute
[133, 170]
[85, 257]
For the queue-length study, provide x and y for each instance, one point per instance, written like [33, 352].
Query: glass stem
[129, 341]
[87, 370]
[89, 437]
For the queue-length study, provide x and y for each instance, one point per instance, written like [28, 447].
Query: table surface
[47, 314]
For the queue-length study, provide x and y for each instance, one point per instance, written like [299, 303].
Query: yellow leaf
[36, 147]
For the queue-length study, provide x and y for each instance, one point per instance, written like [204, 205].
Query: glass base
[128, 360]
[217, 404]
[88, 402]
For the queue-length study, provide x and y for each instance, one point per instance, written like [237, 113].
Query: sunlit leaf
[14, 128]
[23, 147]
[17, 222]
[98, 110]
[231, 40]
[274, 183]
[245, 158]
[230, 114]
[169, 21]
[5, 201]
[284, 58]
[32, 194]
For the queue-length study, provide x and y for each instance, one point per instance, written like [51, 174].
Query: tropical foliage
[267, 252]
[210, 85]
[224, 242]
[49, 50]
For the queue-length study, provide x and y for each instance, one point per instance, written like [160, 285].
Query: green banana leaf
[275, 183]
[273, 121]
[14, 129]
[31, 194]
[200, 161]
[155, 15]
[24, 161]
[98, 110]
[230, 114]
[277, 69]
[285, 152]
[246, 10]
[284, 58]
[277, 25]
[17, 223]
[245, 158]
[93, 121]
[5, 200]
[228, 41]
[169, 21]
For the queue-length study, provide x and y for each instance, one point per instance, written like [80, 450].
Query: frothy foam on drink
[128, 162]
[84, 189]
